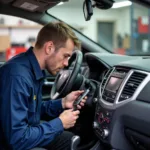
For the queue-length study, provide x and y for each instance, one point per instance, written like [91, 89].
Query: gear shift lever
[74, 142]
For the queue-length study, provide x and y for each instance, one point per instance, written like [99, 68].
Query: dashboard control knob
[95, 100]
[101, 118]
[105, 133]
[95, 125]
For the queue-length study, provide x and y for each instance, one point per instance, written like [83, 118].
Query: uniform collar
[39, 74]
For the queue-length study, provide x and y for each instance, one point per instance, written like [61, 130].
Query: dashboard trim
[116, 103]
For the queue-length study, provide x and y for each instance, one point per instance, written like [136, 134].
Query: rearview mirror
[101, 4]
[87, 9]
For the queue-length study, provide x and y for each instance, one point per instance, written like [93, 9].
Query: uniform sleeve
[14, 117]
[52, 107]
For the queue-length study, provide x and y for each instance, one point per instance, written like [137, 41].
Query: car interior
[116, 114]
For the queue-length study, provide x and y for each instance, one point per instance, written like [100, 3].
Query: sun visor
[34, 5]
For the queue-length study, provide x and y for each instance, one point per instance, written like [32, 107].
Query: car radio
[112, 86]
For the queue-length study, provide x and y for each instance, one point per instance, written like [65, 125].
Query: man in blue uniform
[21, 81]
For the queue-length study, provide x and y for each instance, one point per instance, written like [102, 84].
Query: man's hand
[67, 102]
[68, 118]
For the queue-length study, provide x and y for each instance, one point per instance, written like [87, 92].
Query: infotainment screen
[113, 84]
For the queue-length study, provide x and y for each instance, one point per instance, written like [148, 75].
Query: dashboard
[123, 107]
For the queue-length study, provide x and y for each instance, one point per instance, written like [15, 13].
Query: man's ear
[49, 48]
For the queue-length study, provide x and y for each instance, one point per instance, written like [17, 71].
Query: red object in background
[120, 51]
[143, 25]
[13, 51]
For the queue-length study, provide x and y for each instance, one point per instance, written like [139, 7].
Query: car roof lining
[43, 5]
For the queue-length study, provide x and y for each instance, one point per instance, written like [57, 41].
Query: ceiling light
[122, 4]
[60, 3]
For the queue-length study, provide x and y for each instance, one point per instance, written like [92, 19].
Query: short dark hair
[59, 33]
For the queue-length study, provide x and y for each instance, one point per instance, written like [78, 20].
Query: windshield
[122, 29]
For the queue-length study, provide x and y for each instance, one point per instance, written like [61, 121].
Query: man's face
[59, 59]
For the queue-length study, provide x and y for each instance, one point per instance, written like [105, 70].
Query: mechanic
[21, 107]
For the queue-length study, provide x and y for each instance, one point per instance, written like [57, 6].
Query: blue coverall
[21, 105]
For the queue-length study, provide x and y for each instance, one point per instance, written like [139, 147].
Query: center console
[108, 94]
[119, 86]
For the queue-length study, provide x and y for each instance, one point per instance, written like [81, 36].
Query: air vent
[105, 78]
[132, 84]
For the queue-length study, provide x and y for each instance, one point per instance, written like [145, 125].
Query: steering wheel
[66, 77]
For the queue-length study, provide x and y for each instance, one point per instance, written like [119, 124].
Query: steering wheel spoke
[55, 95]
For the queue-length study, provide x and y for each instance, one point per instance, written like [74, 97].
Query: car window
[123, 29]
[16, 35]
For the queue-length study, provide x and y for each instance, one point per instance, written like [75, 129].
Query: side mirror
[87, 9]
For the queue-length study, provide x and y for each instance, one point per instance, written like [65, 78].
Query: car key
[79, 99]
